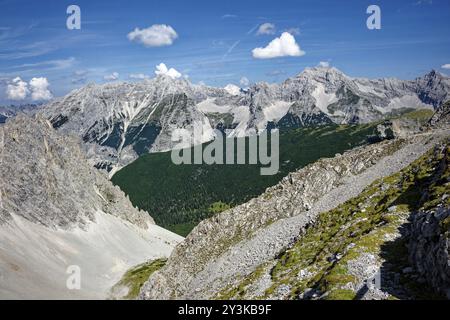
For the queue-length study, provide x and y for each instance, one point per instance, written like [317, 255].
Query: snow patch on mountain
[232, 89]
[209, 106]
[323, 99]
[405, 102]
[241, 117]
[275, 111]
[199, 132]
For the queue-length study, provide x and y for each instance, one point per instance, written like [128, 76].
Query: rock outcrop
[40, 169]
[441, 117]
[429, 242]
[56, 211]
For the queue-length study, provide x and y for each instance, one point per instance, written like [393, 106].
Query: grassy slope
[178, 197]
[359, 226]
[419, 115]
[135, 278]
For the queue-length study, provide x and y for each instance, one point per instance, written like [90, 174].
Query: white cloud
[420, 2]
[324, 64]
[266, 28]
[275, 73]
[161, 69]
[79, 76]
[138, 76]
[17, 90]
[39, 89]
[226, 16]
[157, 35]
[230, 49]
[283, 46]
[111, 77]
[232, 89]
[49, 64]
[244, 81]
[293, 31]
[446, 66]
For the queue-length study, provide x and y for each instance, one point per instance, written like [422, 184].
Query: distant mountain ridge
[10, 111]
[120, 121]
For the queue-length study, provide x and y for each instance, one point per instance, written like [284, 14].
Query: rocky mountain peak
[433, 74]
[320, 70]
[432, 77]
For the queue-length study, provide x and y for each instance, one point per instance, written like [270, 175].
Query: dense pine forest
[180, 196]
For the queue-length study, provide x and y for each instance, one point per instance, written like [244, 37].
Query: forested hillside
[180, 196]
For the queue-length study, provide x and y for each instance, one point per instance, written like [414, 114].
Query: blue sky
[214, 40]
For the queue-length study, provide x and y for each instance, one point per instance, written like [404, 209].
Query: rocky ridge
[389, 242]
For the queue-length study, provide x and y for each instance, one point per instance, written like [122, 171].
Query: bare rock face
[47, 180]
[429, 244]
[58, 212]
[441, 117]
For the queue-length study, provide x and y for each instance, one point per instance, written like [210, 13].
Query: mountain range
[120, 121]
[10, 111]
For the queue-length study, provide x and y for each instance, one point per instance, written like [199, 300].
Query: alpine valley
[362, 192]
